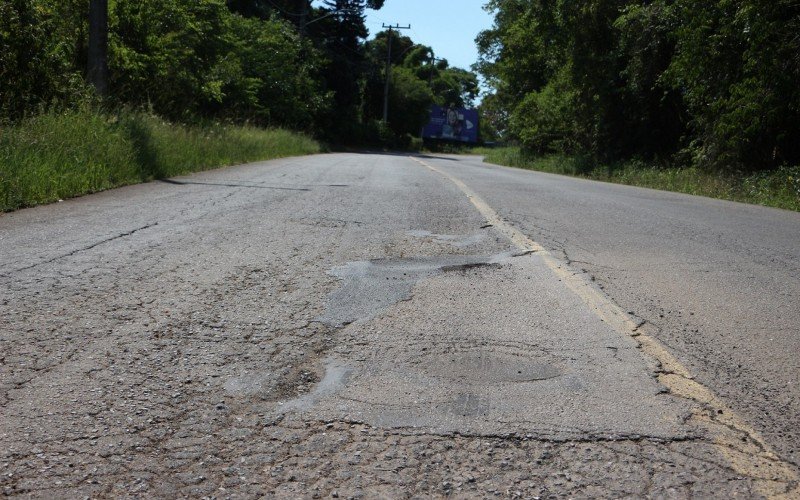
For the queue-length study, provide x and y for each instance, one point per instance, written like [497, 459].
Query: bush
[778, 188]
[60, 155]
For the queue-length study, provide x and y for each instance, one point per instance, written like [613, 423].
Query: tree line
[710, 84]
[282, 63]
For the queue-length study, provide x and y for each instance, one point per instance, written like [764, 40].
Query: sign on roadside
[452, 124]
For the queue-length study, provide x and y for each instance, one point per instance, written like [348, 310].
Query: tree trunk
[98, 46]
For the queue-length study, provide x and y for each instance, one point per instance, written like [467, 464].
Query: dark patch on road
[470, 265]
[231, 184]
[429, 157]
[370, 287]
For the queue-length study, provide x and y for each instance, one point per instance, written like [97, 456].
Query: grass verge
[56, 156]
[779, 188]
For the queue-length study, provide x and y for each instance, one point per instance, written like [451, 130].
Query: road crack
[80, 250]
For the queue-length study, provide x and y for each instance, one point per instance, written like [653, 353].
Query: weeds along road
[384, 325]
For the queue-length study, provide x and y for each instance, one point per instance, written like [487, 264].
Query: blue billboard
[452, 124]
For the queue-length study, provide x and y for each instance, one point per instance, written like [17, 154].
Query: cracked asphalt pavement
[377, 325]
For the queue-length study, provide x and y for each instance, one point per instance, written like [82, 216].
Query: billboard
[452, 124]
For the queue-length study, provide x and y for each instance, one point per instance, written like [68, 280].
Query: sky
[449, 26]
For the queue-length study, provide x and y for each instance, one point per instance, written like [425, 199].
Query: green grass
[779, 188]
[56, 156]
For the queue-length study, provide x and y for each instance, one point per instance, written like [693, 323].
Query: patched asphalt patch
[370, 287]
[456, 240]
[490, 366]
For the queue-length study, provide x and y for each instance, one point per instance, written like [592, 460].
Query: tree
[98, 46]
[338, 30]
[190, 58]
[409, 102]
[653, 110]
[519, 55]
[416, 83]
[618, 79]
[42, 55]
[260, 9]
[455, 86]
[737, 66]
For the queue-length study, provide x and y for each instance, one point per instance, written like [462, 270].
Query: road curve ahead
[379, 325]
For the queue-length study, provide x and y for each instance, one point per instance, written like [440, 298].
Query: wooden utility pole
[98, 46]
[389, 69]
[303, 17]
[433, 63]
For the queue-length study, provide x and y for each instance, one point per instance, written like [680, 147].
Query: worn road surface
[361, 325]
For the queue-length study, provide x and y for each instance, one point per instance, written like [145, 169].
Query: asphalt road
[362, 325]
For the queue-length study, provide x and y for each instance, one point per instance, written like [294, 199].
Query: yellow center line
[742, 446]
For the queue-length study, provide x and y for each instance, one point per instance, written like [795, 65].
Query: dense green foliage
[706, 84]
[283, 63]
[59, 155]
[182, 59]
[417, 82]
[42, 47]
[200, 60]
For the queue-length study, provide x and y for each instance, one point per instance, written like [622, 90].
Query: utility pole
[433, 62]
[389, 69]
[303, 16]
[98, 46]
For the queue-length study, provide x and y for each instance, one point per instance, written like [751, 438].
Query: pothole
[335, 379]
[296, 382]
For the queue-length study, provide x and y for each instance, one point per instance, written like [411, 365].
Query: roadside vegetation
[779, 188]
[195, 84]
[697, 97]
[283, 63]
[54, 156]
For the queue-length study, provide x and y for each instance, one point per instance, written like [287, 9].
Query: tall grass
[61, 155]
[779, 188]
